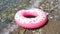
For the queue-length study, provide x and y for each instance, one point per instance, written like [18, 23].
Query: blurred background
[8, 8]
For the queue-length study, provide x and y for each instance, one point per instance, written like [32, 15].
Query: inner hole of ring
[29, 15]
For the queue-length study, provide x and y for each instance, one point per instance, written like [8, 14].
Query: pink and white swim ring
[32, 18]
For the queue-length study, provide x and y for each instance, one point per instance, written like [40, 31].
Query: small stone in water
[51, 17]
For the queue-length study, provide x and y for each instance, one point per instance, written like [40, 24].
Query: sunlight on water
[9, 29]
[34, 4]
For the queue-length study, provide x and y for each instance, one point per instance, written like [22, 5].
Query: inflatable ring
[32, 18]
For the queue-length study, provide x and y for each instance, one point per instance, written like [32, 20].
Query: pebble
[0, 17]
[36, 33]
[51, 17]
[16, 9]
[33, 31]
[47, 13]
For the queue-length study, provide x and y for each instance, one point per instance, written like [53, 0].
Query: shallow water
[8, 8]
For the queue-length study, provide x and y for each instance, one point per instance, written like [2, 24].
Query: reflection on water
[9, 29]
